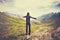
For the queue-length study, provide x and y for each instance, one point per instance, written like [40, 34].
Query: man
[28, 29]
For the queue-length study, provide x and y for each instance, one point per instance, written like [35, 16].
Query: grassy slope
[15, 26]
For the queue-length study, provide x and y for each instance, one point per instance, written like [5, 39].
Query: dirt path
[41, 34]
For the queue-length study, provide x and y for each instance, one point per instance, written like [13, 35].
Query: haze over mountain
[18, 15]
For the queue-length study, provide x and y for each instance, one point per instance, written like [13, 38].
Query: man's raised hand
[34, 18]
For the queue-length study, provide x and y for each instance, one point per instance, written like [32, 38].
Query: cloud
[58, 5]
[35, 7]
[3, 1]
[6, 4]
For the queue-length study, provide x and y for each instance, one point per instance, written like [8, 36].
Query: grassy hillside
[13, 28]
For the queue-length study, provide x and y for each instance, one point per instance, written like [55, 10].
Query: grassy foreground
[12, 28]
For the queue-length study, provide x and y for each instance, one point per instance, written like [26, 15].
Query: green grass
[17, 26]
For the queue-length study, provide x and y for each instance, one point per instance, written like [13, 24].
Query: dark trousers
[28, 29]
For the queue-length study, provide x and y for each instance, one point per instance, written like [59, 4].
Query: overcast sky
[35, 7]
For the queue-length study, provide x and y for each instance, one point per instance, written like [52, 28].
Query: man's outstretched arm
[24, 16]
[33, 18]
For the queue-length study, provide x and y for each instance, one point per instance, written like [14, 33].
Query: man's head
[28, 13]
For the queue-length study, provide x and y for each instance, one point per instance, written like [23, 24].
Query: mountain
[13, 28]
[51, 18]
[46, 16]
[10, 26]
[52, 32]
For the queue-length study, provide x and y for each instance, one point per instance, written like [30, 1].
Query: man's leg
[26, 29]
[29, 29]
